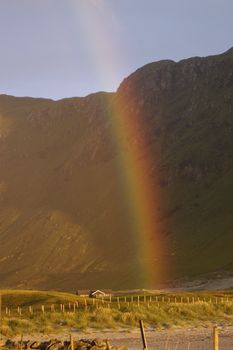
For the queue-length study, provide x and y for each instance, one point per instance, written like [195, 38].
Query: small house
[97, 294]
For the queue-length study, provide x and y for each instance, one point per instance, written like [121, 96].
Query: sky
[64, 48]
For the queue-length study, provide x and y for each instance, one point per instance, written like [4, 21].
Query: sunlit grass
[158, 311]
[128, 316]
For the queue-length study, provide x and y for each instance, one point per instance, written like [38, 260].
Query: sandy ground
[175, 339]
[172, 339]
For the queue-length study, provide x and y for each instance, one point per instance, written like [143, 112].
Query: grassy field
[24, 298]
[181, 309]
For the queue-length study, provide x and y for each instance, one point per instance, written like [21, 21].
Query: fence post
[143, 335]
[215, 331]
[71, 342]
[21, 342]
[1, 315]
[107, 344]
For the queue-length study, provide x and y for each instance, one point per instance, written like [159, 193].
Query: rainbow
[136, 161]
[137, 164]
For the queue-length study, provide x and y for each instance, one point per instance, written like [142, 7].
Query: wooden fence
[109, 302]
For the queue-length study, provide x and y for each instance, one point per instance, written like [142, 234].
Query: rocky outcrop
[54, 344]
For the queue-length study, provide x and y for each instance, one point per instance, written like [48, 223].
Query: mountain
[65, 214]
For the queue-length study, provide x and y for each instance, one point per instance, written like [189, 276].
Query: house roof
[93, 292]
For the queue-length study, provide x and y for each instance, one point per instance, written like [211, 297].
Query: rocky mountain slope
[64, 217]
